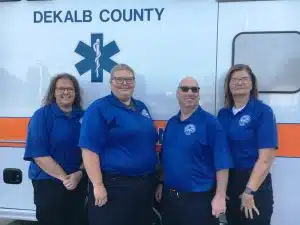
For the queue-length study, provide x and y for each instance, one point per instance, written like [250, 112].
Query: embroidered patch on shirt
[244, 120]
[145, 113]
[189, 129]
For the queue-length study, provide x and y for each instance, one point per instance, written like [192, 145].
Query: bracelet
[83, 171]
[249, 191]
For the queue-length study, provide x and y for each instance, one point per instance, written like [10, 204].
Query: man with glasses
[195, 161]
[118, 141]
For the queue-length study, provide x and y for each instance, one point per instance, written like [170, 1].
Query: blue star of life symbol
[96, 57]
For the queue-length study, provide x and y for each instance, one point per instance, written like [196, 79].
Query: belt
[175, 193]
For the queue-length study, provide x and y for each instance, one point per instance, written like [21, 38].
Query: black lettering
[76, 18]
[138, 14]
[37, 17]
[149, 13]
[56, 16]
[118, 13]
[159, 13]
[47, 15]
[87, 16]
[101, 15]
[124, 15]
[69, 17]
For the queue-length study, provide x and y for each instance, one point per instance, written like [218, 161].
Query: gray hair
[121, 67]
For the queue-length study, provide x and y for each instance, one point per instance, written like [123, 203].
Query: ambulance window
[274, 58]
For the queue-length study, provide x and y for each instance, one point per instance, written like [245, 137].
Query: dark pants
[55, 205]
[263, 200]
[187, 208]
[130, 201]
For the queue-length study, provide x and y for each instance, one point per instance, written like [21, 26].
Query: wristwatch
[249, 191]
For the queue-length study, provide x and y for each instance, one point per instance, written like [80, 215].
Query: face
[240, 83]
[188, 93]
[64, 92]
[123, 84]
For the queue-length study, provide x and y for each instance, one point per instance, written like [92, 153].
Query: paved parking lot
[5, 222]
[11, 222]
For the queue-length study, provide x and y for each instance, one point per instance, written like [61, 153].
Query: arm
[222, 180]
[258, 175]
[261, 168]
[38, 144]
[91, 163]
[51, 167]
[222, 159]
[222, 163]
[92, 141]
[267, 144]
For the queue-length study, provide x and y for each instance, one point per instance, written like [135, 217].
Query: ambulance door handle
[12, 176]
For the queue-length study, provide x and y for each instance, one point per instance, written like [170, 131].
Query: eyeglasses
[237, 80]
[62, 90]
[120, 80]
[186, 89]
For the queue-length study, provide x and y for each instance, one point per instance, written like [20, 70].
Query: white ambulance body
[163, 40]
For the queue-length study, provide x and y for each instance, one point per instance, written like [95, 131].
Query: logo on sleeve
[189, 129]
[146, 114]
[244, 120]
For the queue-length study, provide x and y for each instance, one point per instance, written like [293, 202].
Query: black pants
[263, 200]
[187, 208]
[55, 205]
[130, 201]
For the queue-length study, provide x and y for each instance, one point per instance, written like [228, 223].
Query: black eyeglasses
[62, 90]
[186, 89]
[121, 80]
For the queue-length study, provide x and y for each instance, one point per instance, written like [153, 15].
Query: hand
[158, 193]
[248, 205]
[72, 180]
[218, 205]
[100, 195]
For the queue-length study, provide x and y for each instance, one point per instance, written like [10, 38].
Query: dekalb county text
[105, 15]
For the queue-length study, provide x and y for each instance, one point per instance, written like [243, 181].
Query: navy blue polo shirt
[124, 139]
[52, 133]
[251, 129]
[193, 151]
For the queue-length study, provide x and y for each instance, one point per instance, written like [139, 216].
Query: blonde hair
[121, 67]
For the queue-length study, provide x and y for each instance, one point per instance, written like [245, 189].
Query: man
[195, 162]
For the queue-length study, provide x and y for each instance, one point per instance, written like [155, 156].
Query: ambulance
[163, 40]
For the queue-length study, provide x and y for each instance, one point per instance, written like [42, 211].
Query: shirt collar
[247, 107]
[76, 111]
[197, 111]
[114, 100]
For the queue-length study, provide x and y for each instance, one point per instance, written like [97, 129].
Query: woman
[251, 129]
[52, 148]
[118, 140]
